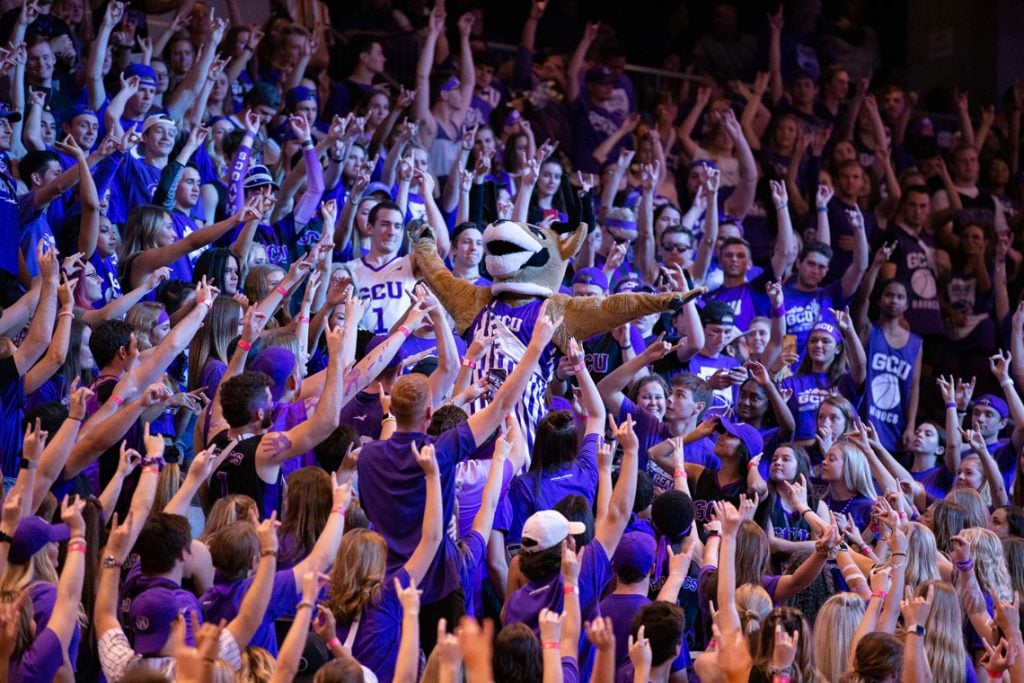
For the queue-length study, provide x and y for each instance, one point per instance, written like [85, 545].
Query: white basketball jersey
[388, 289]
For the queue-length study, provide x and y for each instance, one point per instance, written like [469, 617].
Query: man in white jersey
[382, 275]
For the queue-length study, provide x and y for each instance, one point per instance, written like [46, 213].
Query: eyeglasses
[679, 248]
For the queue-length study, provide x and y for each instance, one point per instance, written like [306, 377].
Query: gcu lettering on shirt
[388, 289]
[889, 383]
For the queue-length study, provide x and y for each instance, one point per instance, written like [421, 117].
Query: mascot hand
[419, 230]
[682, 298]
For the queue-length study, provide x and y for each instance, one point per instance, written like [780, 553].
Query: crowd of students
[241, 440]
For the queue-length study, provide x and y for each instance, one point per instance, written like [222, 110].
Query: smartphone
[496, 377]
[789, 344]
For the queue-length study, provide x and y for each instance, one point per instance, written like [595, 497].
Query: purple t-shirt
[365, 414]
[40, 662]
[224, 598]
[525, 604]
[535, 491]
[705, 366]
[380, 629]
[621, 609]
[747, 301]
[393, 491]
[44, 598]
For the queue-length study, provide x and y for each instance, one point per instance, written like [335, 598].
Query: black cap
[717, 313]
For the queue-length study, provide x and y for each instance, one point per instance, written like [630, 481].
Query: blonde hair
[834, 627]
[975, 509]
[39, 568]
[23, 632]
[856, 471]
[753, 604]
[944, 638]
[989, 563]
[357, 574]
[257, 666]
[225, 511]
[143, 317]
[167, 484]
[921, 556]
[984, 491]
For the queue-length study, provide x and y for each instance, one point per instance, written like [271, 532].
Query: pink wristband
[552, 645]
[333, 643]
[303, 318]
[340, 510]
[282, 291]
[577, 369]
[117, 400]
[406, 331]
[244, 345]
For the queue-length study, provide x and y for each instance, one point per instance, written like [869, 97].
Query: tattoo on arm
[278, 443]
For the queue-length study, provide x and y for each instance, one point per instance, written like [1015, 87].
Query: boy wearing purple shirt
[135, 180]
[807, 302]
[391, 486]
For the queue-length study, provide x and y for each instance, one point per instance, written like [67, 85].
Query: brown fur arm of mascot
[585, 316]
[462, 299]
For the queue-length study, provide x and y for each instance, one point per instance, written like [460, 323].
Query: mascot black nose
[503, 248]
[419, 229]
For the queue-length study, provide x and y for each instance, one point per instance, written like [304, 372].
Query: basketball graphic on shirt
[923, 283]
[885, 391]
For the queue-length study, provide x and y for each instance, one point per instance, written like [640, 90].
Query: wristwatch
[110, 562]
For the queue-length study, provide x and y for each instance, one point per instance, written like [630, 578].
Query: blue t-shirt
[380, 629]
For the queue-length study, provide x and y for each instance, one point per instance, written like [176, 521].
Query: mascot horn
[528, 264]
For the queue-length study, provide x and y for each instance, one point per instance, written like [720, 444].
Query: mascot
[527, 264]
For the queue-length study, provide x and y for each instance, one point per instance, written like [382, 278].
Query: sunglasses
[680, 248]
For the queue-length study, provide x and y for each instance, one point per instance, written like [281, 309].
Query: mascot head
[529, 260]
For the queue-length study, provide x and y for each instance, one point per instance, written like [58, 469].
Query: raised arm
[686, 128]
[643, 252]
[612, 386]
[94, 87]
[64, 617]
[178, 102]
[326, 547]
[852, 277]
[433, 531]
[290, 655]
[785, 251]
[953, 442]
[58, 349]
[467, 74]
[485, 421]
[855, 354]
[59, 447]
[590, 397]
[609, 527]
[578, 58]
[706, 248]
[421, 104]
[254, 604]
[38, 338]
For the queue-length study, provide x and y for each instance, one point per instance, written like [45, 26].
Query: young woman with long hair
[208, 353]
[834, 627]
[306, 508]
[363, 597]
[832, 347]
[851, 490]
[790, 514]
[944, 636]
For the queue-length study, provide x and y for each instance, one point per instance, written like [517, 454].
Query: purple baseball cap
[151, 615]
[636, 550]
[591, 276]
[377, 187]
[750, 436]
[632, 283]
[995, 403]
[278, 364]
[32, 535]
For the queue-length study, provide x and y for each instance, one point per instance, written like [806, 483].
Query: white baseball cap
[546, 529]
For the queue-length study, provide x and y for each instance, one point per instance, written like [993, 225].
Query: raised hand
[823, 196]
[999, 364]
[624, 433]
[409, 597]
[71, 514]
[545, 327]
[780, 198]
[785, 647]
[426, 459]
[34, 443]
